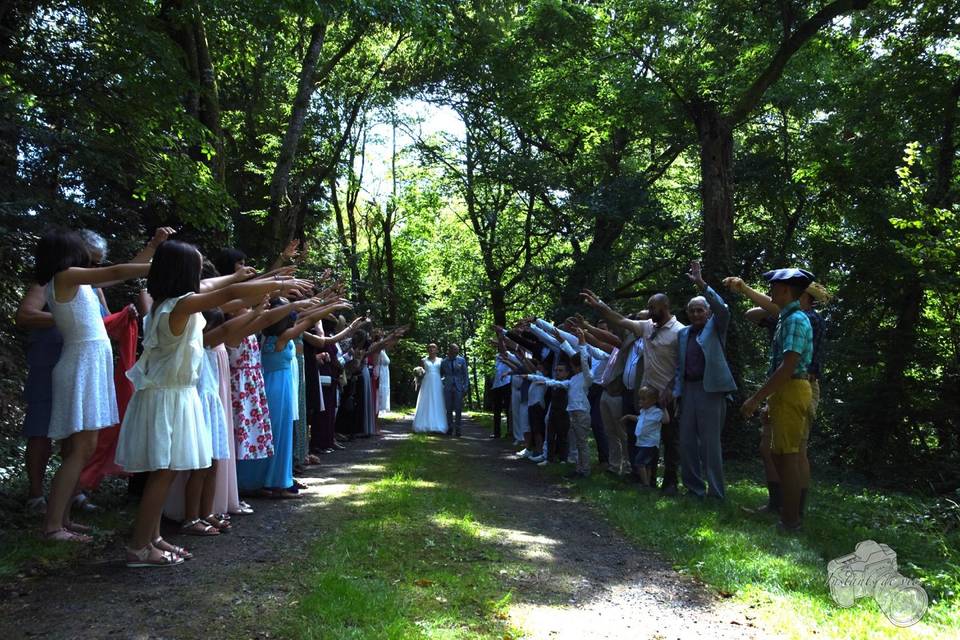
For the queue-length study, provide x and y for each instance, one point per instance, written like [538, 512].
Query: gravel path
[589, 581]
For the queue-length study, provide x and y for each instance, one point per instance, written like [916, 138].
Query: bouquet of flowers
[418, 371]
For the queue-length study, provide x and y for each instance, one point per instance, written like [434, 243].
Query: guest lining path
[589, 582]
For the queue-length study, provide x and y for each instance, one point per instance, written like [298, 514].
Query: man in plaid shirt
[787, 388]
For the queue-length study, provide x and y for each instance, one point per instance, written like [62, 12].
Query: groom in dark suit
[453, 372]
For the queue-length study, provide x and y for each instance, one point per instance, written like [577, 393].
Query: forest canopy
[590, 144]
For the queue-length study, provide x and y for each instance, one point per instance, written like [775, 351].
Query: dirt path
[589, 582]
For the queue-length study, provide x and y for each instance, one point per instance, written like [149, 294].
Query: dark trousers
[501, 407]
[670, 435]
[596, 423]
[538, 426]
[557, 430]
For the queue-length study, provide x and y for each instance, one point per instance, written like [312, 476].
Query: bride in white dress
[431, 416]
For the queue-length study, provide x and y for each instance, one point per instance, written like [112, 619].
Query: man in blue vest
[702, 383]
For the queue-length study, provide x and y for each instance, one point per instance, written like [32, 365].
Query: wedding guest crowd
[647, 387]
[243, 379]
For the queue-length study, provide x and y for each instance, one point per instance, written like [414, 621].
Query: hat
[819, 293]
[790, 276]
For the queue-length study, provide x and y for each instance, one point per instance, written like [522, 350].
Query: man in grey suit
[453, 372]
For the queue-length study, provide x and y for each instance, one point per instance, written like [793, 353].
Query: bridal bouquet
[419, 371]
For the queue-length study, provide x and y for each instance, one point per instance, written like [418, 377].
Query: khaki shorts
[790, 411]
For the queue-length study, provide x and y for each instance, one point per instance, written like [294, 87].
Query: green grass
[785, 577]
[408, 559]
[24, 551]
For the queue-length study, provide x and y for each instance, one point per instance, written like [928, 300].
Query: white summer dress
[164, 427]
[84, 397]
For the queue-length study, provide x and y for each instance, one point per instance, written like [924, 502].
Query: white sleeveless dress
[164, 427]
[83, 395]
[431, 416]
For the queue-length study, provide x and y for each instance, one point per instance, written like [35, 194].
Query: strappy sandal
[76, 527]
[312, 459]
[244, 509]
[151, 557]
[198, 527]
[63, 535]
[220, 525]
[163, 545]
[299, 485]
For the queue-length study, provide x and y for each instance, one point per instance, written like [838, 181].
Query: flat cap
[795, 276]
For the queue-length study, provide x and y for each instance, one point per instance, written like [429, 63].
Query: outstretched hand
[593, 300]
[162, 234]
[734, 284]
[696, 275]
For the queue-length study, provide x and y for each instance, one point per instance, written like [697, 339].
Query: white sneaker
[522, 453]
[543, 463]
[538, 459]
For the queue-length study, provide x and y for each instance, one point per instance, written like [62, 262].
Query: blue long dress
[275, 472]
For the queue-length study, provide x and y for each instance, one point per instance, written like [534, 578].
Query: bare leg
[37, 457]
[788, 466]
[769, 468]
[193, 492]
[77, 450]
[209, 488]
[147, 525]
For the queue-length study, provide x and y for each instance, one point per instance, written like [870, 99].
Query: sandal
[244, 509]
[299, 485]
[198, 528]
[76, 527]
[220, 525]
[64, 535]
[163, 545]
[313, 459]
[150, 557]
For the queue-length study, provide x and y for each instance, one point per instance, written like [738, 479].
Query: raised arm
[719, 308]
[30, 313]
[309, 319]
[611, 316]
[737, 285]
[73, 277]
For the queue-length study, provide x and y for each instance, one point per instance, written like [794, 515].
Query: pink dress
[251, 416]
[226, 499]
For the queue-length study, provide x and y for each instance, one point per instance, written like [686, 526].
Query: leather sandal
[163, 545]
[151, 557]
[64, 535]
[198, 527]
[217, 523]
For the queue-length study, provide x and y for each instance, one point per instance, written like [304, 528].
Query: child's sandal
[151, 557]
[198, 527]
[163, 545]
[218, 523]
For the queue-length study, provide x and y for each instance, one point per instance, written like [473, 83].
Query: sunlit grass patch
[413, 561]
[785, 577]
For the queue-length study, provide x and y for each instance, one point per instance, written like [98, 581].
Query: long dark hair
[281, 325]
[175, 271]
[58, 250]
[227, 260]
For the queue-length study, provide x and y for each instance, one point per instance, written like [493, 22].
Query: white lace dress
[83, 395]
[383, 386]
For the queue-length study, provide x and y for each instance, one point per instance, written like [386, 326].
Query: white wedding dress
[431, 416]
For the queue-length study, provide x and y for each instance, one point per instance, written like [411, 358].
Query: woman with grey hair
[97, 247]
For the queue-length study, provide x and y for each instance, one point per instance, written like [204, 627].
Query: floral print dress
[251, 416]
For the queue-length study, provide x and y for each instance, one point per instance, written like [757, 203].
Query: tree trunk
[281, 209]
[209, 98]
[716, 190]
